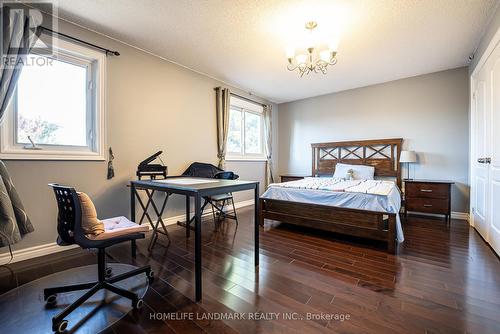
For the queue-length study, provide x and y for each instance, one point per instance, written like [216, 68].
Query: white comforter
[377, 187]
[372, 195]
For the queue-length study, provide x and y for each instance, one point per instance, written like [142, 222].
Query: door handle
[426, 190]
[481, 160]
[427, 205]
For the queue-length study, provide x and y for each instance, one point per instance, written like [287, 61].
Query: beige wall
[152, 105]
[430, 112]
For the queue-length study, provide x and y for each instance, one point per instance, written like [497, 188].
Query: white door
[494, 166]
[480, 169]
[485, 150]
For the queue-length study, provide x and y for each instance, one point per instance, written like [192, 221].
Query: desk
[198, 188]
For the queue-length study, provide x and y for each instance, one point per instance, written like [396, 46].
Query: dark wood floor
[444, 280]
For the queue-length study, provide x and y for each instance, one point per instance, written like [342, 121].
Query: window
[246, 130]
[57, 111]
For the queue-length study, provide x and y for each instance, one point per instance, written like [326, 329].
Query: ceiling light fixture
[313, 59]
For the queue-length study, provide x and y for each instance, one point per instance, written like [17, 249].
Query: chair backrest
[226, 175]
[70, 214]
[201, 169]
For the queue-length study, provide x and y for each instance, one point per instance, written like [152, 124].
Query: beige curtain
[268, 138]
[222, 108]
[17, 40]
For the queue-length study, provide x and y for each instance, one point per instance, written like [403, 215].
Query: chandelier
[313, 59]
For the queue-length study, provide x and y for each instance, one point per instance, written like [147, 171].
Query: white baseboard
[33, 252]
[51, 248]
[175, 219]
[460, 215]
[454, 215]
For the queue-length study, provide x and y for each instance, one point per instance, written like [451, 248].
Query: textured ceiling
[243, 42]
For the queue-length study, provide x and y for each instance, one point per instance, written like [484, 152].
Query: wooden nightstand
[292, 177]
[429, 196]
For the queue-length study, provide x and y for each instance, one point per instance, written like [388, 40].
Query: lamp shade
[408, 156]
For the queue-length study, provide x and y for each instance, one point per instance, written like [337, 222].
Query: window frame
[95, 64]
[253, 108]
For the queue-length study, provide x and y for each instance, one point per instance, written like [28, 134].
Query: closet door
[494, 166]
[480, 198]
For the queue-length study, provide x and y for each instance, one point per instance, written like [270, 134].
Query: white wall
[430, 112]
[489, 33]
[152, 105]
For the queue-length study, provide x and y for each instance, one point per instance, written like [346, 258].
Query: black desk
[198, 191]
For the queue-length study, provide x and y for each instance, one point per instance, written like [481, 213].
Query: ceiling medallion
[313, 59]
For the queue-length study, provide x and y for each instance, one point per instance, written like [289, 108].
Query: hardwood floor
[444, 280]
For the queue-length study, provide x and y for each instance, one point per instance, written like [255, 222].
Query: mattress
[296, 191]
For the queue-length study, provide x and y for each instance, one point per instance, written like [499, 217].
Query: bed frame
[383, 154]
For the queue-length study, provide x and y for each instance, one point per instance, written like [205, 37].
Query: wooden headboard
[383, 154]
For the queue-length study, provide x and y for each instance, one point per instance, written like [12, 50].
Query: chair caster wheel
[51, 300]
[60, 327]
[151, 276]
[137, 304]
[109, 272]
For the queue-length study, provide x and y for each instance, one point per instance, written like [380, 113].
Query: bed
[363, 214]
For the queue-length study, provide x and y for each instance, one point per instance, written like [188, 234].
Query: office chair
[70, 232]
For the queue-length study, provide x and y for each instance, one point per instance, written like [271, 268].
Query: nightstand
[292, 177]
[428, 196]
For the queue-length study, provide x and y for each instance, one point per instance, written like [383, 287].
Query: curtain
[14, 222]
[17, 41]
[222, 108]
[268, 141]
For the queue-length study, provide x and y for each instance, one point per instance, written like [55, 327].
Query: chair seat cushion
[221, 197]
[117, 227]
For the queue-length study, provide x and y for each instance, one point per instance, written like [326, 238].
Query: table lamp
[408, 157]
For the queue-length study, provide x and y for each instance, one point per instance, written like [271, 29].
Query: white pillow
[360, 172]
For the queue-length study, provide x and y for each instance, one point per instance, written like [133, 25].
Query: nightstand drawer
[428, 205]
[427, 190]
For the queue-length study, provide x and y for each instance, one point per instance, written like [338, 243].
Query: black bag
[200, 169]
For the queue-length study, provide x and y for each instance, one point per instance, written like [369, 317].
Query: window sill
[259, 159]
[41, 155]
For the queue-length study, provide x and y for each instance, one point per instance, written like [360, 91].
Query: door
[494, 166]
[485, 152]
[479, 169]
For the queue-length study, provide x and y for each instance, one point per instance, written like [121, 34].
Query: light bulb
[301, 59]
[290, 52]
[334, 45]
[325, 55]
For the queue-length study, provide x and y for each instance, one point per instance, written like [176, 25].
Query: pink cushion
[119, 226]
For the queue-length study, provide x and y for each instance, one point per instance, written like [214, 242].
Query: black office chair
[70, 232]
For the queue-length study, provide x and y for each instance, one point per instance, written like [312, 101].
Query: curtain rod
[245, 98]
[107, 51]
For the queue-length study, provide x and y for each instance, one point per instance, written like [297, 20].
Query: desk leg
[256, 224]
[188, 218]
[197, 247]
[132, 217]
[132, 202]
